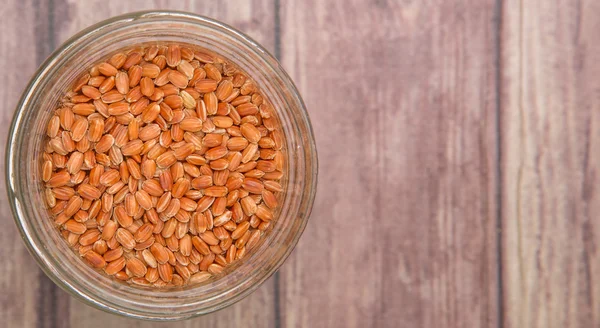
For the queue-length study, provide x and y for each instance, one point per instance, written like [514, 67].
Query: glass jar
[25, 192]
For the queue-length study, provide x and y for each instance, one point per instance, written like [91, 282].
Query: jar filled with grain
[161, 165]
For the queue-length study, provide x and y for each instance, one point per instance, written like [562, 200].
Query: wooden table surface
[458, 170]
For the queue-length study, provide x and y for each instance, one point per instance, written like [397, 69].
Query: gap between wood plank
[499, 189]
[48, 292]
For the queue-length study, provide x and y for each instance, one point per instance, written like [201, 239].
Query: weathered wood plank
[550, 125]
[402, 98]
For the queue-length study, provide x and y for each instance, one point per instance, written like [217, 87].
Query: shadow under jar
[28, 136]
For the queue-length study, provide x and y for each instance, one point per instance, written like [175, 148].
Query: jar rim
[36, 247]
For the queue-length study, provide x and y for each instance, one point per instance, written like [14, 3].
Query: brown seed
[200, 277]
[152, 275]
[185, 245]
[211, 140]
[184, 151]
[266, 166]
[178, 79]
[91, 92]
[117, 60]
[110, 177]
[209, 238]
[250, 132]
[121, 83]
[222, 121]
[153, 187]
[248, 206]
[150, 70]
[133, 147]
[112, 96]
[148, 168]
[188, 100]
[212, 72]
[174, 101]
[147, 86]
[105, 143]
[136, 267]
[160, 253]
[125, 238]
[249, 153]
[75, 227]
[247, 109]
[264, 213]
[81, 82]
[149, 258]
[202, 182]
[237, 143]
[224, 90]
[254, 239]
[95, 259]
[122, 217]
[115, 265]
[143, 199]
[173, 56]
[107, 85]
[95, 129]
[216, 191]
[166, 160]
[222, 219]
[205, 85]
[121, 275]
[277, 175]
[109, 230]
[87, 191]
[150, 131]
[134, 75]
[253, 186]
[206, 261]
[240, 230]
[269, 199]
[107, 69]
[74, 163]
[216, 153]
[118, 108]
[191, 124]
[113, 254]
[215, 269]
[211, 102]
[165, 271]
[181, 186]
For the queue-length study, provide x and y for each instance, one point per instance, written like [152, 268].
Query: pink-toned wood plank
[402, 99]
[551, 131]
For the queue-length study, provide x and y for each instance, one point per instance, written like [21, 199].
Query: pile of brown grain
[163, 165]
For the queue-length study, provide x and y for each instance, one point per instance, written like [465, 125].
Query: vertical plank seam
[47, 291]
[499, 187]
[519, 182]
[277, 50]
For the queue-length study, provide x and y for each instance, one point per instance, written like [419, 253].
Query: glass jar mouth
[302, 148]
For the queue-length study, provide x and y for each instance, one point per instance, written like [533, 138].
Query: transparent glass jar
[27, 132]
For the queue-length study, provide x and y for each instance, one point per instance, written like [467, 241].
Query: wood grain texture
[550, 121]
[21, 53]
[402, 99]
